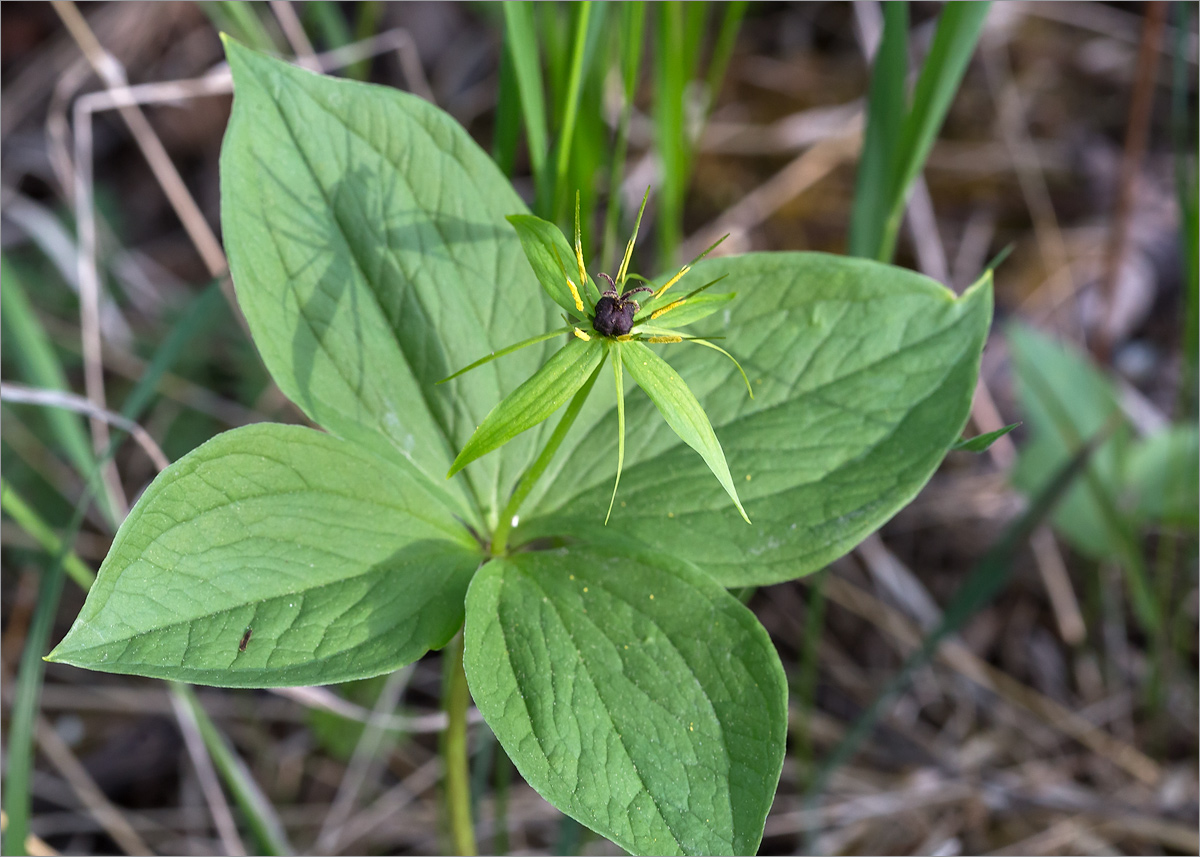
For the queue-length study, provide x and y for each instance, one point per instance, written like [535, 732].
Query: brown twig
[1137, 130]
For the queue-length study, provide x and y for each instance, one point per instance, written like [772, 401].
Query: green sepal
[542, 394]
[680, 409]
[551, 258]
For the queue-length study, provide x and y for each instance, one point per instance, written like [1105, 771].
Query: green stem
[535, 471]
[454, 752]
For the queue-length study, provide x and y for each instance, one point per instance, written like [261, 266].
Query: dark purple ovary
[614, 317]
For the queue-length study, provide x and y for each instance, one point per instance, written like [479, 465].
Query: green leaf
[1161, 476]
[551, 258]
[664, 735]
[863, 376]
[540, 396]
[680, 409]
[983, 442]
[338, 563]
[367, 243]
[1090, 399]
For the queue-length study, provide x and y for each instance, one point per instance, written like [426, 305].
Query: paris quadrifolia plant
[376, 250]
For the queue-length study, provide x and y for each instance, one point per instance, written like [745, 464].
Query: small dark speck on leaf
[245, 639]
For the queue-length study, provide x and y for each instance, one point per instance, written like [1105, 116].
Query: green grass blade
[630, 36]
[886, 110]
[38, 366]
[957, 34]
[30, 674]
[671, 76]
[241, 21]
[204, 311]
[32, 523]
[521, 42]
[259, 813]
[566, 135]
[507, 127]
[731, 23]
[988, 577]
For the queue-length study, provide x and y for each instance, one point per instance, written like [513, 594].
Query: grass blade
[957, 33]
[570, 109]
[521, 43]
[27, 518]
[23, 715]
[671, 74]
[886, 110]
[507, 128]
[630, 35]
[39, 367]
[260, 815]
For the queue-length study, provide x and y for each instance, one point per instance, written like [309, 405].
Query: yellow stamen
[579, 248]
[664, 339]
[575, 294]
[582, 335]
[667, 308]
[675, 279]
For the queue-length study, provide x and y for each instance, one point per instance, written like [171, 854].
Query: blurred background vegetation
[981, 676]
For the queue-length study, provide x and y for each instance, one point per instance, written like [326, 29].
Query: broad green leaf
[552, 260]
[367, 241]
[633, 693]
[983, 442]
[1088, 398]
[863, 376]
[541, 395]
[680, 409]
[692, 309]
[1161, 476]
[339, 564]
